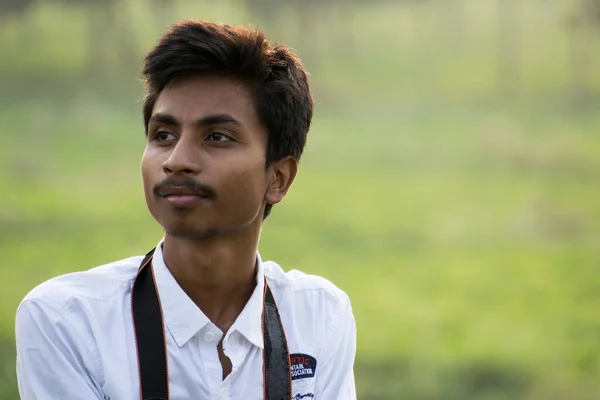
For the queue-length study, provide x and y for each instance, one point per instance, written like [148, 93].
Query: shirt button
[209, 336]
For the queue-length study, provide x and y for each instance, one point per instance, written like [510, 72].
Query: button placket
[222, 393]
[208, 339]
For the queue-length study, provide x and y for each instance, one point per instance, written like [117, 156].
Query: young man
[201, 316]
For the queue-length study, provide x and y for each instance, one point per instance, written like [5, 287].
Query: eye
[163, 136]
[218, 137]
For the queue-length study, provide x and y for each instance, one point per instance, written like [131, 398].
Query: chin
[199, 226]
[186, 226]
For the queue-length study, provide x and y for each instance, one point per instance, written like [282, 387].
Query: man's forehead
[207, 86]
[194, 98]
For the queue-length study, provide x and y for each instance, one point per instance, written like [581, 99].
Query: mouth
[183, 193]
[185, 200]
[182, 197]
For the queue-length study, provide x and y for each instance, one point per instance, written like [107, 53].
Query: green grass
[463, 225]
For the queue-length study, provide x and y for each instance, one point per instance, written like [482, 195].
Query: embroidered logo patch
[303, 366]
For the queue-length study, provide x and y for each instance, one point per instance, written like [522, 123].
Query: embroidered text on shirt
[303, 366]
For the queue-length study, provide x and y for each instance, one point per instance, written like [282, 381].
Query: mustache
[168, 185]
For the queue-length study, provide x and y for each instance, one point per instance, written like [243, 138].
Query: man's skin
[211, 230]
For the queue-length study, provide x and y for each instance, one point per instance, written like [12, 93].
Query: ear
[281, 175]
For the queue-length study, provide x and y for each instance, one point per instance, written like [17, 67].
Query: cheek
[145, 173]
[149, 171]
[247, 183]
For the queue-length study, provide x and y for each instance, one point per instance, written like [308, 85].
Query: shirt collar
[184, 319]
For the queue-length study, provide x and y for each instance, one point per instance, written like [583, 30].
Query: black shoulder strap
[149, 334]
[152, 348]
[276, 356]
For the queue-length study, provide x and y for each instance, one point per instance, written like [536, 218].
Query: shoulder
[313, 309]
[98, 284]
[300, 285]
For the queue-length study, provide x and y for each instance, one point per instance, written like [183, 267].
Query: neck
[218, 273]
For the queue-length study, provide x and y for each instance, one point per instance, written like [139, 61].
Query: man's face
[204, 164]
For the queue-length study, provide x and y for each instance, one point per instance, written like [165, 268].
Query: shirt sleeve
[335, 379]
[53, 359]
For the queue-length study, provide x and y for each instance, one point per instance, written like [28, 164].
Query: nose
[184, 159]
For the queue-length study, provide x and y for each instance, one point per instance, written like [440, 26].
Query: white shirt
[75, 337]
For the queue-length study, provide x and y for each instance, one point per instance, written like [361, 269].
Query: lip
[183, 200]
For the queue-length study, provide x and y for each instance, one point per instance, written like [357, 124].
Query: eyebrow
[207, 120]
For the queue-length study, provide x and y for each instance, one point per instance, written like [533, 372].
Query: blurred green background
[451, 182]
